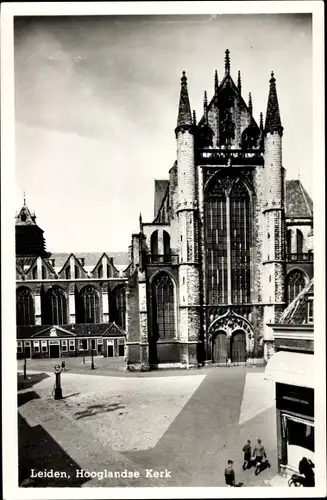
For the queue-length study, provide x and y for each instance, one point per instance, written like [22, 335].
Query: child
[230, 474]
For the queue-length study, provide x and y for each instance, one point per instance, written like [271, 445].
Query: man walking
[259, 454]
[230, 474]
[247, 454]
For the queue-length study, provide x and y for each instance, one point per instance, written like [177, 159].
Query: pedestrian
[230, 474]
[247, 454]
[63, 365]
[259, 453]
[306, 469]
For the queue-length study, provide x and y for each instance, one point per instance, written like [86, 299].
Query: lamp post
[58, 391]
[92, 361]
[25, 368]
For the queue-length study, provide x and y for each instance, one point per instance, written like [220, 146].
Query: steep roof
[77, 330]
[296, 312]
[298, 202]
[273, 121]
[160, 188]
[184, 109]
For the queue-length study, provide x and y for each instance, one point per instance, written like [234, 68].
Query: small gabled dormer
[104, 268]
[72, 269]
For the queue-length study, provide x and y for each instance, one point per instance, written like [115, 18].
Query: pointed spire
[141, 223]
[261, 121]
[250, 104]
[24, 197]
[184, 109]
[273, 121]
[216, 82]
[227, 62]
[194, 118]
[205, 106]
[239, 82]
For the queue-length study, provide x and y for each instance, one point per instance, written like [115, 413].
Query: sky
[96, 101]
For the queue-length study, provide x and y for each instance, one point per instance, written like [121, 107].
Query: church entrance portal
[238, 353]
[219, 351]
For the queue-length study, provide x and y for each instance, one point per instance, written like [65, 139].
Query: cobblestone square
[166, 429]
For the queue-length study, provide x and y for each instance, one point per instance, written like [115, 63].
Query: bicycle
[296, 481]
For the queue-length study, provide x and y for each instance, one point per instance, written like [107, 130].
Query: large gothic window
[163, 307]
[240, 243]
[228, 242]
[88, 309]
[299, 241]
[56, 307]
[24, 307]
[295, 284]
[289, 242]
[216, 229]
[117, 307]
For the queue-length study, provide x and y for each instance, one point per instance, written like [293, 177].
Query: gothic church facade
[230, 244]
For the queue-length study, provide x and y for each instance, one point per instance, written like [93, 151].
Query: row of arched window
[54, 306]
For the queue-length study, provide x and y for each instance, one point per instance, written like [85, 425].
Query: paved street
[188, 422]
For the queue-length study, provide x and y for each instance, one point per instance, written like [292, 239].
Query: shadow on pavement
[30, 381]
[96, 409]
[25, 397]
[37, 450]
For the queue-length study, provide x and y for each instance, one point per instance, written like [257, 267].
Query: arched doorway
[219, 348]
[238, 347]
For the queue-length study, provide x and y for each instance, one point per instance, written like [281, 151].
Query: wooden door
[220, 348]
[238, 347]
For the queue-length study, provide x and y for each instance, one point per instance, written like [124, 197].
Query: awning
[291, 368]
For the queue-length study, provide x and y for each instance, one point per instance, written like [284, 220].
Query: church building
[229, 245]
[228, 248]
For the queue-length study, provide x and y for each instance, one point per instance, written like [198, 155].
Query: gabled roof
[54, 332]
[114, 330]
[25, 217]
[298, 202]
[90, 258]
[296, 312]
[160, 188]
[109, 262]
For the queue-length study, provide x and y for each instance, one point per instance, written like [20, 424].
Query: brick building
[67, 304]
[227, 248]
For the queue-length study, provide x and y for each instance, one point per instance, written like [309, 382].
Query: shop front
[294, 377]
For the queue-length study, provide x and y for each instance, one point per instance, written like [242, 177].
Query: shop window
[72, 345]
[44, 346]
[36, 346]
[19, 347]
[83, 345]
[300, 441]
[64, 346]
